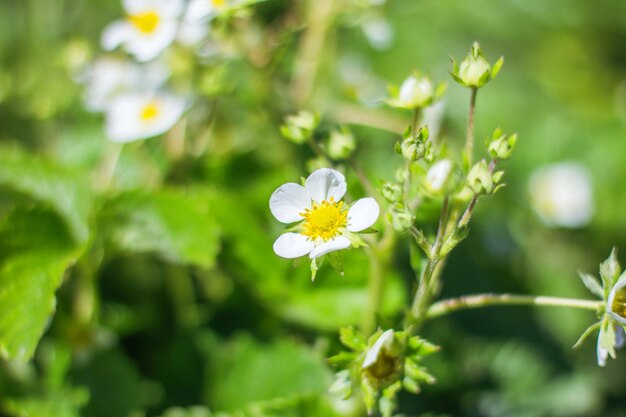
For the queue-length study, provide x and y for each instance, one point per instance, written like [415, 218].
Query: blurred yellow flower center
[150, 111]
[325, 220]
[218, 4]
[619, 302]
[146, 22]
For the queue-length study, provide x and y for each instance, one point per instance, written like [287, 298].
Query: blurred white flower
[149, 28]
[562, 195]
[438, 175]
[378, 32]
[108, 77]
[135, 116]
[326, 225]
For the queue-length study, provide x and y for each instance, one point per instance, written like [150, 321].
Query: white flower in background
[378, 32]
[149, 28]
[439, 175]
[562, 195]
[326, 224]
[135, 116]
[109, 77]
[197, 19]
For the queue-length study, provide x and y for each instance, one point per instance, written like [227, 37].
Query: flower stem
[429, 278]
[380, 258]
[469, 140]
[451, 305]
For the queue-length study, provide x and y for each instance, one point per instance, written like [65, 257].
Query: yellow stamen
[324, 220]
[150, 111]
[218, 4]
[619, 302]
[146, 22]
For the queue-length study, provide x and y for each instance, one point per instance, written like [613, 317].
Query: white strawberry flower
[325, 223]
[136, 116]
[149, 28]
[109, 77]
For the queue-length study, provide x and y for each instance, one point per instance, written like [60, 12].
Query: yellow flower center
[325, 220]
[146, 22]
[218, 4]
[150, 111]
[619, 302]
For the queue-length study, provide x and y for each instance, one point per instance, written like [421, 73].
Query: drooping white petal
[116, 34]
[325, 183]
[292, 245]
[363, 214]
[338, 243]
[384, 340]
[438, 174]
[620, 337]
[601, 353]
[288, 201]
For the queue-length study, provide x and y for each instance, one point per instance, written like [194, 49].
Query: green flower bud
[415, 147]
[475, 71]
[383, 361]
[340, 144]
[299, 128]
[400, 218]
[416, 92]
[482, 181]
[391, 192]
[501, 145]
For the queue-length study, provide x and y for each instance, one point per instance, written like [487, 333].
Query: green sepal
[336, 261]
[457, 79]
[388, 403]
[586, 334]
[495, 68]
[592, 284]
[411, 385]
[342, 358]
[451, 240]
[315, 266]
[609, 271]
[370, 395]
[352, 339]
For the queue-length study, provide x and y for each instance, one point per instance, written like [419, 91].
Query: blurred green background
[173, 296]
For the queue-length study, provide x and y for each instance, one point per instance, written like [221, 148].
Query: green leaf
[67, 193]
[179, 226]
[62, 403]
[35, 250]
[251, 373]
[198, 411]
[592, 284]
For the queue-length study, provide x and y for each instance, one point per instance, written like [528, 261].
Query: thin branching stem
[469, 140]
[451, 305]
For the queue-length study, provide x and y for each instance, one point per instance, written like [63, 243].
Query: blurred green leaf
[177, 225]
[68, 193]
[35, 251]
[63, 403]
[188, 412]
[251, 373]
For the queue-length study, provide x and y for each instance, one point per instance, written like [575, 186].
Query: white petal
[137, 6]
[292, 245]
[325, 183]
[147, 47]
[619, 286]
[170, 8]
[383, 340]
[601, 353]
[619, 337]
[337, 243]
[288, 201]
[116, 34]
[363, 214]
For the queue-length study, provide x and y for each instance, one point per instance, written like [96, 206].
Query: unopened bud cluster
[475, 71]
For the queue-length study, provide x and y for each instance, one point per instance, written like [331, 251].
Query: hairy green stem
[487, 300]
[469, 140]
[429, 278]
[380, 258]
